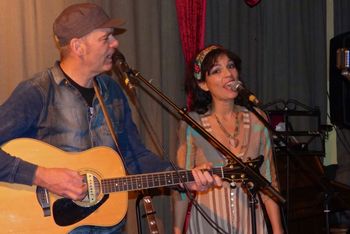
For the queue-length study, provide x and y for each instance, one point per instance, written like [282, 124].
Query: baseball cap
[80, 19]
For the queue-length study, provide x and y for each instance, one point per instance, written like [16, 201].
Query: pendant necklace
[233, 140]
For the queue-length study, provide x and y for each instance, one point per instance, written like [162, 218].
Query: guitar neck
[151, 180]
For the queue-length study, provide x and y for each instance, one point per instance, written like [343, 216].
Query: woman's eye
[231, 65]
[214, 71]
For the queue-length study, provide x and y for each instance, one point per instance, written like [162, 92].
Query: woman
[213, 106]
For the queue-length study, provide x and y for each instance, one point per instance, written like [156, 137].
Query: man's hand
[63, 182]
[203, 180]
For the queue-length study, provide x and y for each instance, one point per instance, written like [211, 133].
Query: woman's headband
[199, 60]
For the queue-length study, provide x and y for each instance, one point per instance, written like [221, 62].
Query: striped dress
[227, 206]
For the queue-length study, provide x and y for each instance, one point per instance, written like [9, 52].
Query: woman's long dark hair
[200, 100]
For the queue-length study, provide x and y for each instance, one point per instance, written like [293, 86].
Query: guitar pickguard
[66, 212]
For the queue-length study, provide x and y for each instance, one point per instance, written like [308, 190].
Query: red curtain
[191, 20]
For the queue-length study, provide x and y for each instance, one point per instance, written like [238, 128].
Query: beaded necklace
[233, 140]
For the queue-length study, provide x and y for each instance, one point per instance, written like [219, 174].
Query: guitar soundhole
[94, 194]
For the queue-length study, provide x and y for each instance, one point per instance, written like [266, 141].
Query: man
[58, 106]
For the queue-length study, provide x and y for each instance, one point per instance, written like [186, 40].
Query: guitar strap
[108, 120]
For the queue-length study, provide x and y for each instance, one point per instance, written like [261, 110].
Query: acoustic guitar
[31, 209]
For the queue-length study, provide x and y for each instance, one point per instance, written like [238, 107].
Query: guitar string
[162, 179]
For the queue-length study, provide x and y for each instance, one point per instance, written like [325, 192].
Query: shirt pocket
[116, 114]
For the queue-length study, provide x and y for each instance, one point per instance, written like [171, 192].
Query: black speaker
[339, 85]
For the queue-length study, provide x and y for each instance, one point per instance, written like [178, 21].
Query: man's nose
[113, 42]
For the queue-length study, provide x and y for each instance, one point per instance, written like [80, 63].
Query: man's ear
[203, 85]
[76, 46]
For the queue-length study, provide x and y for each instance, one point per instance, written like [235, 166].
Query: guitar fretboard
[151, 180]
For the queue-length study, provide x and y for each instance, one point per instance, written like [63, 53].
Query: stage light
[343, 62]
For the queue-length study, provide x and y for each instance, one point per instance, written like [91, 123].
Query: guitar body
[20, 211]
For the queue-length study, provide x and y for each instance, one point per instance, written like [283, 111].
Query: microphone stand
[321, 182]
[259, 181]
[251, 193]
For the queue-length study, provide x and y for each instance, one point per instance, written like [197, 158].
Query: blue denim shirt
[47, 107]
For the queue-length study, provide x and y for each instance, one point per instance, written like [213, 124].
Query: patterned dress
[227, 206]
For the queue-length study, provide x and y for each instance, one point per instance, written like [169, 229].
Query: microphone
[237, 86]
[124, 68]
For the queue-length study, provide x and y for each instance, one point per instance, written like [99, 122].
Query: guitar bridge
[90, 179]
[44, 200]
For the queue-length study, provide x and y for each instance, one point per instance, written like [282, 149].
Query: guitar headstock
[233, 172]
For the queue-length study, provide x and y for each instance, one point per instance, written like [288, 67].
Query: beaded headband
[199, 59]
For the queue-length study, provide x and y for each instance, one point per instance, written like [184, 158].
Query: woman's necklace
[233, 138]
